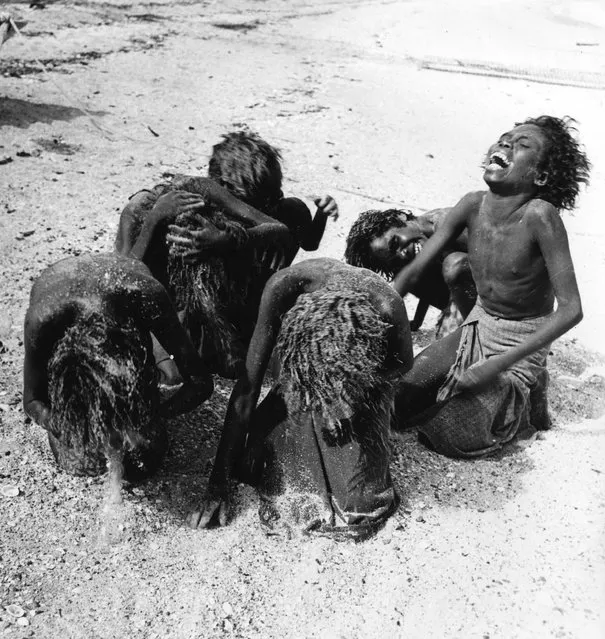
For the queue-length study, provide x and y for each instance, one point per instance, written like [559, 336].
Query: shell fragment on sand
[10, 491]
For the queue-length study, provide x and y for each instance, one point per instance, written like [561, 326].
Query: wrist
[218, 483]
[234, 238]
[156, 214]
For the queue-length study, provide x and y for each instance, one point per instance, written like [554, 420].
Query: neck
[506, 204]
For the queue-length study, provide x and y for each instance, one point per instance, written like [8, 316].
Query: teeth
[500, 156]
[417, 248]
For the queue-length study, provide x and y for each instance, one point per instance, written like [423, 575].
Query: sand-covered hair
[249, 167]
[564, 161]
[368, 226]
[215, 292]
[332, 346]
[102, 385]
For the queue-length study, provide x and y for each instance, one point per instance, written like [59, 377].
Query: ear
[541, 178]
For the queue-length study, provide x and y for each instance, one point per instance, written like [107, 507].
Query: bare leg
[113, 513]
[458, 277]
[538, 398]
[418, 388]
[419, 315]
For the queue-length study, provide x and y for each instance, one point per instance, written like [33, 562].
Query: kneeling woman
[317, 446]
[89, 374]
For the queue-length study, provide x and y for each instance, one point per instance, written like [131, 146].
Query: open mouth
[412, 250]
[498, 160]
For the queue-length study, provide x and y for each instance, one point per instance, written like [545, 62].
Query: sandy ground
[377, 103]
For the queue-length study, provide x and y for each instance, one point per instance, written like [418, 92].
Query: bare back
[319, 273]
[88, 283]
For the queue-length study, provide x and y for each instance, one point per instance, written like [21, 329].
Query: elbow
[310, 246]
[576, 314]
[121, 247]
[118, 246]
[573, 314]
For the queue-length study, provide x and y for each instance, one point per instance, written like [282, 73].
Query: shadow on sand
[21, 113]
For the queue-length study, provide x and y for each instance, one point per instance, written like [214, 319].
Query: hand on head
[174, 203]
[193, 244]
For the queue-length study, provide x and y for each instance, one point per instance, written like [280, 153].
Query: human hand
[479, 375]
[191, 394]
[215, 507]
[39, 412]
[173, 203]
[327, 206]
[193, 244]
[273, 257]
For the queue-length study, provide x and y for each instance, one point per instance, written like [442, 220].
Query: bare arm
[400, 352]
[449, 229]
[157, 314]
[36, 403]
[312, 235]
[264, 229]
[130, 221]
[40, 335]
[437, 217]
[279, 295]
[551, 236]
[165, 209]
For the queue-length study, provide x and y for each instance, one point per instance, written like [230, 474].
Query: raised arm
[263, 230]
[131, 219]
[279, 295]
[143, 215]
[314, 230]
[448, 230]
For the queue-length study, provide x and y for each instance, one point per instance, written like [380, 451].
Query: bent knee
[455, 265]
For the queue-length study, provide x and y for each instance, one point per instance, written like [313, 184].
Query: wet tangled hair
[564, 160]
[249, 167]
[332, 345]
[102, 386]
[217, 293]
[368, 226]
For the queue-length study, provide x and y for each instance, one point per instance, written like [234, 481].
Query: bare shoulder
[140, 203]
[88, 275]
[193, 184]
[54, 277]
[544, 218]
[292, 204]
[49, 296]
[538, 209]
[432, 219]
[388, 302]
[471, 201]
[292, 212]
[307, 272]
